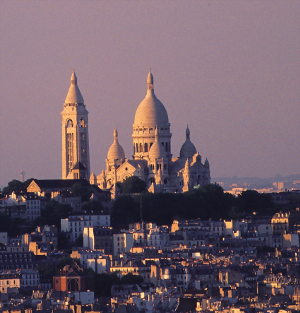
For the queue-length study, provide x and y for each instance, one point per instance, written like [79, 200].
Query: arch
[69, 123]
[73, 284]
[146, 147]
[82, 122]
[166, 181]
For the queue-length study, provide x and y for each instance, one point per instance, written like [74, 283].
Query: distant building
[72, 279]
[98, 237]
[152, 158]
[76, 223]
[75, 136]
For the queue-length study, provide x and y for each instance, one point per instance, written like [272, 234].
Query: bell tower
[75, 137]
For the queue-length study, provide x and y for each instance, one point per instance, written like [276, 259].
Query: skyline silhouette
[230, 70]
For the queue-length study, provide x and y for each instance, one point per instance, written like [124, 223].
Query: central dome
[151, 111]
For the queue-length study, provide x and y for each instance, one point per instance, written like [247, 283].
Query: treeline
[207, 202]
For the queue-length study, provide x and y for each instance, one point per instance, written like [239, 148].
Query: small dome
[115, 152]
[74, 94]
[187, 149]
[151, 111]
[157, 150]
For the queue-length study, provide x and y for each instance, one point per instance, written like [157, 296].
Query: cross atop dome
[187, 132]
[73, 78]
[150, 81]
[115, 135]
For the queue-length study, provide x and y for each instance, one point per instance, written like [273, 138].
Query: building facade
[152, 157]
[75, 136]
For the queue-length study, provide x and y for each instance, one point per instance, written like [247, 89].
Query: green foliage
[16, 186]
[63, 262]
[104, 282]
[125, 210]
[63, 242]
[208, 201]
[252, 201]
[53, 213]
[131, 279]
[5, 222]
[79, 241]
[46, 271]
[133, 184]
[82, 190]
[92, 206]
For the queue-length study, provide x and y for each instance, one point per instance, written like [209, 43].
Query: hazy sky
[228, 69]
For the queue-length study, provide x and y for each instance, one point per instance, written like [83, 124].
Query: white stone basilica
[152, 160]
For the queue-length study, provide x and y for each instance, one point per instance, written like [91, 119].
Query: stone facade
[152, 160]
[75, 137]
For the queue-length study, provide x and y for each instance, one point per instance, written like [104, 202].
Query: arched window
[82, 123]
[146, 147]
[141, 147]
[136, 147]
[69, 123]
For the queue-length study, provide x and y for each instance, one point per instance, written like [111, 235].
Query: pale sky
[228, 69]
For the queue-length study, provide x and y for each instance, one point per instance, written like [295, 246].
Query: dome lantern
[115, 151]
[187, 149]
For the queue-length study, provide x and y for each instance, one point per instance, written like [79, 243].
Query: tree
[53, 213]
[82, 190]
[133, 184]
[17, 186]
[132, 279]
[252, 201]
[125, 210]
[92, 206]
[14, 185]
[104, 282]
[79, 241]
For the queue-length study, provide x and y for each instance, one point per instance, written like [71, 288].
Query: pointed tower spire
[74, 95]
[75, 143]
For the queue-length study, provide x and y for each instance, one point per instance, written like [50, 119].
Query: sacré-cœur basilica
[152, 159]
